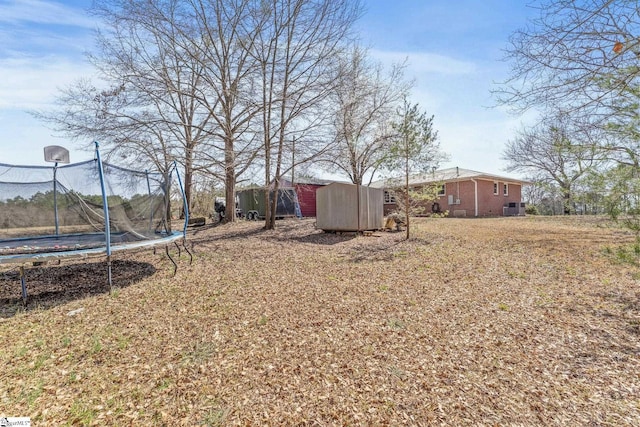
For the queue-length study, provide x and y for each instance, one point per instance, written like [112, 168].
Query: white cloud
[23, 138]
[476, 141]
[423, 62]
[43, 12]
[457, 93]
[40, 52]
[32, 82]
[27, 84]
[476, 144]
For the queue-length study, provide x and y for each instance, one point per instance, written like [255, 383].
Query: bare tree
[580, 58]
[220, 38]
[113, 115]
[534, 193]
[183, 78]
[576, 55]
[297, 53]
[554, 153]
[148, 111]
[187, 75]
[366, 98]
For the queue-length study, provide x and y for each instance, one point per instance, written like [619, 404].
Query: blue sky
[454, 51]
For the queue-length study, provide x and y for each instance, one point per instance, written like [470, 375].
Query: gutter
[475, 191]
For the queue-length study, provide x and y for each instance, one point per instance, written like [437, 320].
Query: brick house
[465, 193]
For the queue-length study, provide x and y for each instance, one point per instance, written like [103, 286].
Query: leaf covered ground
[504, 321]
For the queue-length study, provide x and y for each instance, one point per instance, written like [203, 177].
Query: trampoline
[92, 208]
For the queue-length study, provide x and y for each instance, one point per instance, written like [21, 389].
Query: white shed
[349, 207]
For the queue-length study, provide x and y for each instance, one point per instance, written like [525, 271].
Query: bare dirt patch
[509, 321]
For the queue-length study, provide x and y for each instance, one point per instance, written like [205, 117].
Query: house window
[441, 190]
[389, 197]
[505, 190]
[495, 187]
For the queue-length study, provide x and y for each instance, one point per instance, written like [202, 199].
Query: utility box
[349, 207]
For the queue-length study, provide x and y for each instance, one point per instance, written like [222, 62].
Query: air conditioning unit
[513, 209]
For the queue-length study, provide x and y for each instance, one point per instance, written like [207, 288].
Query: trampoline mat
[70, 242]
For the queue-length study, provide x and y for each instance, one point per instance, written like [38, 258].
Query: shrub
[531, 210]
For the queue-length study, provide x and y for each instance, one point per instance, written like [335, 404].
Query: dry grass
[514, 321]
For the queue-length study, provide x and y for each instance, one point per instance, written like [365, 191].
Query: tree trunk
[566, 201]
[274, 204]
[406, 196]
[271, 225]
[267, 199]
[167, 202]
[229, 181]
[188, 179]
[357, 178]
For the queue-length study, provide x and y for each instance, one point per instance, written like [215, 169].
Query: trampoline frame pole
[184, 200]
[186, 216]
[105, 204]
[146, 174]
[23, 283]
[55, 196]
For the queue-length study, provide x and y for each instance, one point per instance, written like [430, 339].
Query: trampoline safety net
[61, 207]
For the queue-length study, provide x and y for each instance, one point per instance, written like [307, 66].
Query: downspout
[457, 186]
[475, 194]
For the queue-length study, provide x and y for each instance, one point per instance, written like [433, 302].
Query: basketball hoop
[56, 154]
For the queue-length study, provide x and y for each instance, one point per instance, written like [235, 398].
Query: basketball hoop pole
[56, 154]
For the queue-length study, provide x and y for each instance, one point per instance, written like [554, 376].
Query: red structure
[306, 191]
[307, 198]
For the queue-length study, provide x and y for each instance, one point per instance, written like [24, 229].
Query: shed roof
[308, 180]
[446, 175]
